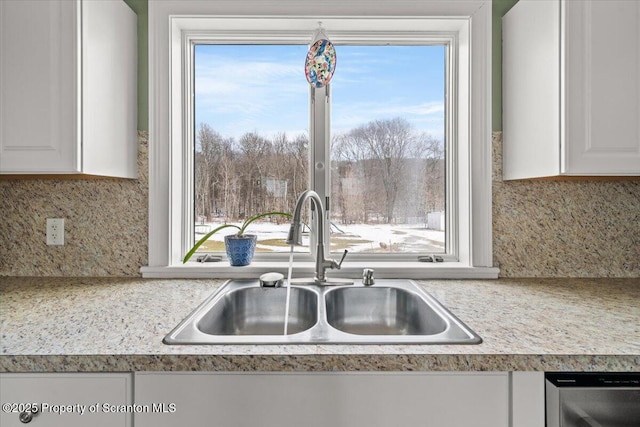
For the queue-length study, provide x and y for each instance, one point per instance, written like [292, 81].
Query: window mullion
[320, 148]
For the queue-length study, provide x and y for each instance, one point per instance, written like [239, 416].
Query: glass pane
[251, 148]
[387, 149]
[611, 407]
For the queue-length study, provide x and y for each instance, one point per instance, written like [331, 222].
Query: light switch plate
[55, 231]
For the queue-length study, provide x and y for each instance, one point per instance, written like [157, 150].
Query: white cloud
[246, 95]
[423, 109]
[271, 94]
[425, 117]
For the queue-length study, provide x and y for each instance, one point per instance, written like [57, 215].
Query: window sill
[388, 270]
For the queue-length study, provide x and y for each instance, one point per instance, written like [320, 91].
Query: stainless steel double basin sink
[389, 312]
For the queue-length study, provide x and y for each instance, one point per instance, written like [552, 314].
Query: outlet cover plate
[55, 231]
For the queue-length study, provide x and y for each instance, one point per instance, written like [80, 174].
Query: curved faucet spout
[295, 238]
[295, 231]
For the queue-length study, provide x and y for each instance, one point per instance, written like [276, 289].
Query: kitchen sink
[389, 312]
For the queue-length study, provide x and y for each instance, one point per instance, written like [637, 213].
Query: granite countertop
[116, 324]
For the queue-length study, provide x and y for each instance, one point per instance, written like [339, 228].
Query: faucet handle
[344, 255]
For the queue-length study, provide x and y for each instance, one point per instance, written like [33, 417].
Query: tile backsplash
[548, 228]
[540, 228]
[105, 224]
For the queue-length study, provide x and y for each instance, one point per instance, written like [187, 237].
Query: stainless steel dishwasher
[592, 399]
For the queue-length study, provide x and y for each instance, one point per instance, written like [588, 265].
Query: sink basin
[389, 312]
[260, 311]
[381, 311]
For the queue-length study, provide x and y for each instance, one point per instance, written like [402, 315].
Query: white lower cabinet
[69, 400]
[357, 399]
[527, 399]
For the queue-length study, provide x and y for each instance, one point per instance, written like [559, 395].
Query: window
[387, 136]
[387, 151]
[251, 138]
[464, 125]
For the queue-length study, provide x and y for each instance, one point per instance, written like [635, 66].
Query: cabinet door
[67, 400]
[527, 399]
[531, 89]
[602, 78]
[38, 87]
[109, 89]
[322, 399]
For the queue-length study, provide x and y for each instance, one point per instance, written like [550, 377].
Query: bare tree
[208, 150]
[297, 168]
[432, 180]
[255, 151]
[201, 186]
[387, 144]
[228, 178]
[353, 195]
[383, 171]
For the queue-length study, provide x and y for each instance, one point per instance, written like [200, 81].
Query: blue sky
[242, 88]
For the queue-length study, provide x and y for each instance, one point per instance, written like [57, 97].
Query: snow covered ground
[380, 238]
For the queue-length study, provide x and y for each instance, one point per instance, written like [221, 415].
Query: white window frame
[175, 25]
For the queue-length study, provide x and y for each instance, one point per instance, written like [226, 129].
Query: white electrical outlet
[55, 231]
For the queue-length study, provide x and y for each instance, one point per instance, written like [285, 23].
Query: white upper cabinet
[68, 78]
[571, 88]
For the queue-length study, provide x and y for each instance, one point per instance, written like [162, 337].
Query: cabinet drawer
[67, 399]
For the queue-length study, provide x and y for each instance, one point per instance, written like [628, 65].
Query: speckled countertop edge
[115, 324]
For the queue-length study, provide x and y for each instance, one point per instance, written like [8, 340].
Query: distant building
[276, 187]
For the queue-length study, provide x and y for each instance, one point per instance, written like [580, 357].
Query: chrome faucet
[295, 236]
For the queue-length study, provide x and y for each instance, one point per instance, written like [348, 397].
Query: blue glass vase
[240, 249]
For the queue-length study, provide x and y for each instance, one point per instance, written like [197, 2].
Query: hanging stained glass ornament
[321, 60]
